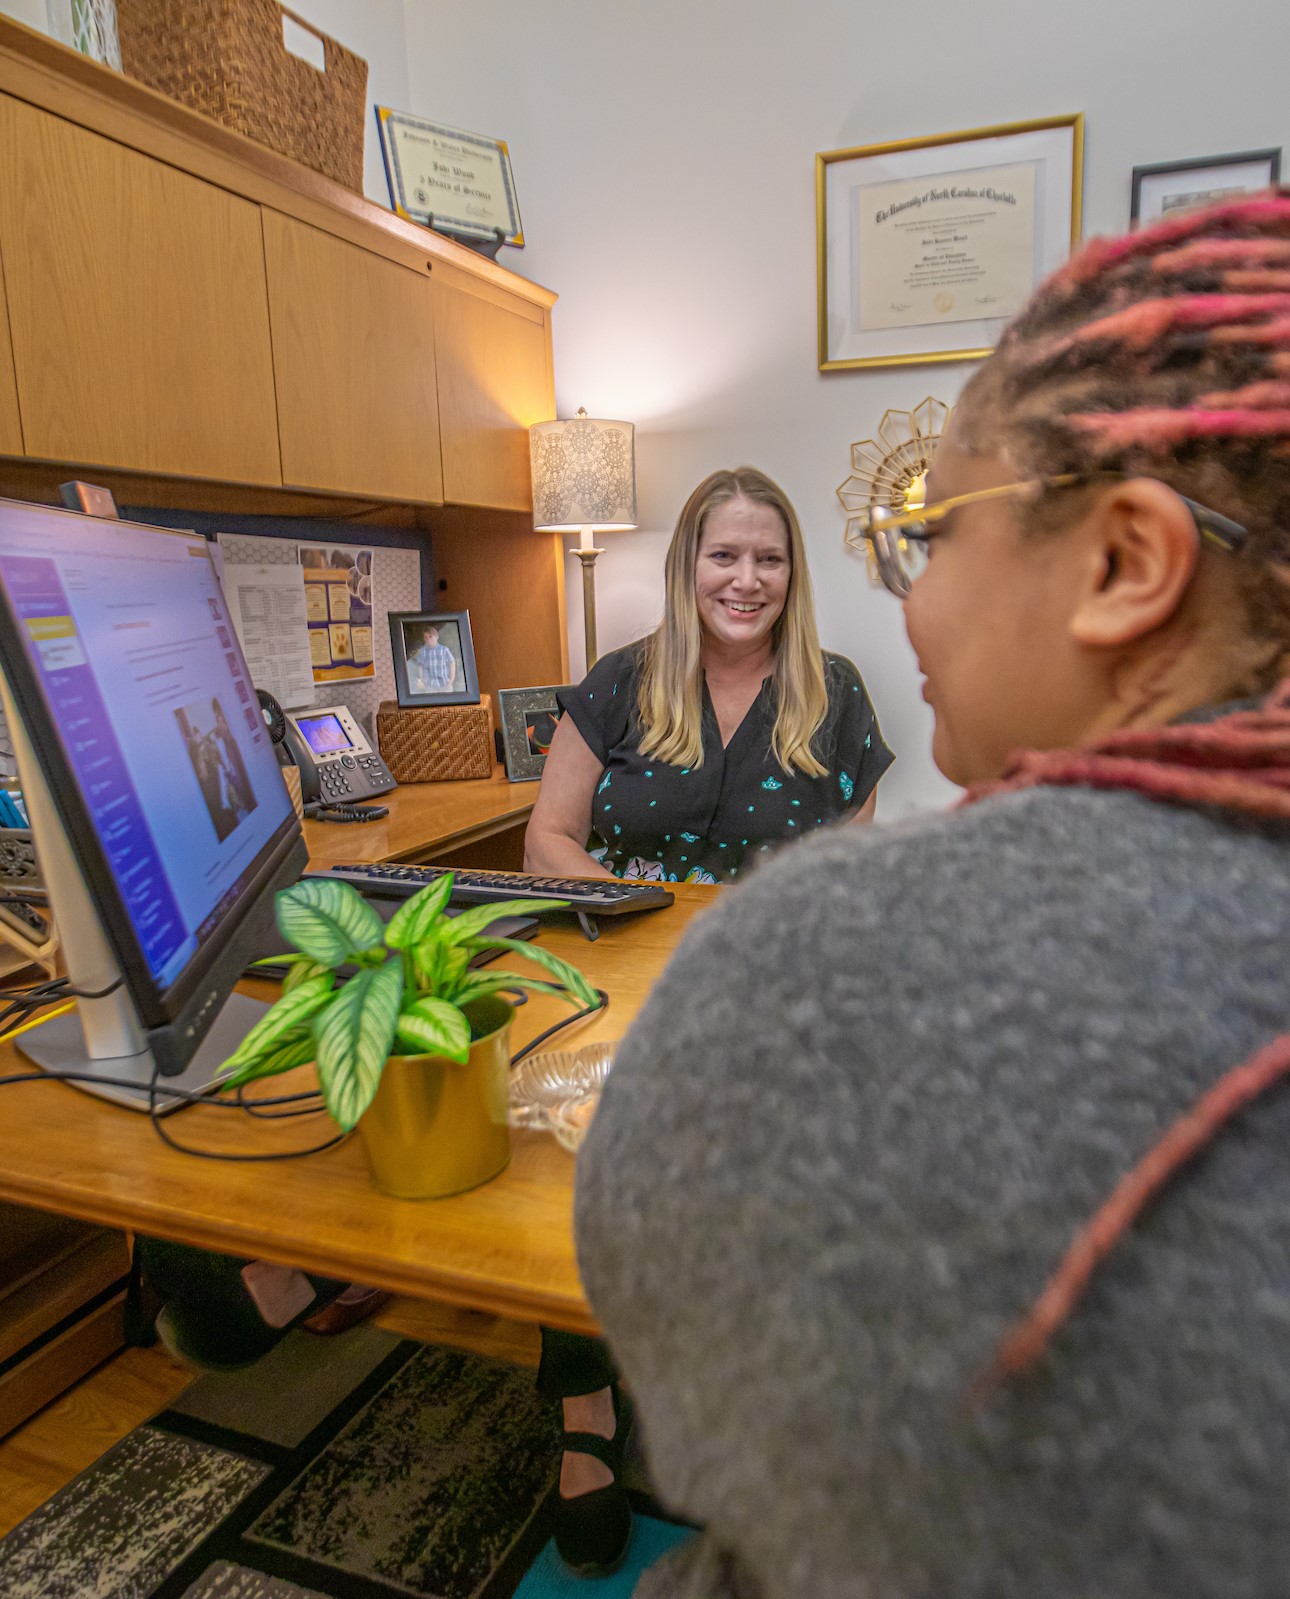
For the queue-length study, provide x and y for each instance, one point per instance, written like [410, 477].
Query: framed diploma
[455, 182]
[926, 247]
[1174, 186]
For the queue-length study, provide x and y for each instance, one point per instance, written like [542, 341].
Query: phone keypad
[352, 777]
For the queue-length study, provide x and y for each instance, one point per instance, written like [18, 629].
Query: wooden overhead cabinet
[10, 423]
[137, 307]
[354, 359]
[495, 380]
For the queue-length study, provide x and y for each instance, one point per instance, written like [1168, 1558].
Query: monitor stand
[58, 1046]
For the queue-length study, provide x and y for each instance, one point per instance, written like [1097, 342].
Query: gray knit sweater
[849, 1138]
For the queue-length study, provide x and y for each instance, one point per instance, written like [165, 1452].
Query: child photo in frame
[434, 658]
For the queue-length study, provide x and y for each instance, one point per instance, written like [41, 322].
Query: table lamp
[584, 477]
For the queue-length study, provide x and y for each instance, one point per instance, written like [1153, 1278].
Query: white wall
[664, 157]
[32, 12]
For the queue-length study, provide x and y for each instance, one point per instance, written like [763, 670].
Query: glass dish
[558, 1090]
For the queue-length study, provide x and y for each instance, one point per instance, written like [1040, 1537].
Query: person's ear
[1142, 548]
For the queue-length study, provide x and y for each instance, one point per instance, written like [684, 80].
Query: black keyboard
[596, 896]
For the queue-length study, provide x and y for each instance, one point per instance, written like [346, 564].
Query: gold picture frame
[1039, 167]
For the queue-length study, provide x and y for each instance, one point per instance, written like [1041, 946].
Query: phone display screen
[325, 735]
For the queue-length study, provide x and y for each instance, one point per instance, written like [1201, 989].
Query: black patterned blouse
[704, 824]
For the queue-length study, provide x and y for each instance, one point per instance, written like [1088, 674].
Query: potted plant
[414, 1050]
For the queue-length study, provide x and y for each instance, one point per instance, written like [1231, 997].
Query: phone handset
[289, 747]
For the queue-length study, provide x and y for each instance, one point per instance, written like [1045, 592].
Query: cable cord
[241, 1159]
[560, 1026]
[58, 990]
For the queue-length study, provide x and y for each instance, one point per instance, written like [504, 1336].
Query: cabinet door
[494, 382]
[10, 424]
[354, 357]
[138, 309]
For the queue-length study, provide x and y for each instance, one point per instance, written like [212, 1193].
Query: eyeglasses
[897, 540]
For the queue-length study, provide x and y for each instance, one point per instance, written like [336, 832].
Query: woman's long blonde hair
[670, 697]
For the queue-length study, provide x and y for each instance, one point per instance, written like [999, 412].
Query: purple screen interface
[122, 628]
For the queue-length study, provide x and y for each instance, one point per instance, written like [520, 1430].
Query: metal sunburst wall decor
[891, 469]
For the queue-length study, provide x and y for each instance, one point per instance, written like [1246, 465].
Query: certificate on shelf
[454, 181]
[947, 249]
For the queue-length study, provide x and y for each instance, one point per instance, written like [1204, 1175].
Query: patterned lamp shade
[584, 474]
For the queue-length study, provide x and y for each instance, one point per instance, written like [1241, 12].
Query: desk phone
[348, 767]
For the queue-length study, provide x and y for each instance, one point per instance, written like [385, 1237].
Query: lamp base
[587, 555]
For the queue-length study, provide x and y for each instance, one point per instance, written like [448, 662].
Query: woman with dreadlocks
[936, 1207]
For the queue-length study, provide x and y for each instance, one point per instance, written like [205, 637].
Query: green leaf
[452, 968]
[292, 1009]
[415, 917]
[278, 960]
[354, 1040]
[473, 922]
[482, 987]
[434, 1027]
[302, 969]
[427, 963]
[295, 1048]
[327, 921]
[578, 986]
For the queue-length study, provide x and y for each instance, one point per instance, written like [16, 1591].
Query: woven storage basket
[436, 743]
[226, 59]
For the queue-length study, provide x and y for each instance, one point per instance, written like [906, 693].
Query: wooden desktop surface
[425, 819]
[506, 1247]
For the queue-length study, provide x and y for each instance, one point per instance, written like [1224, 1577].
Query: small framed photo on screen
[434, 658]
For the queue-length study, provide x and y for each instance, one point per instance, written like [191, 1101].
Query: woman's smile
[742, 572]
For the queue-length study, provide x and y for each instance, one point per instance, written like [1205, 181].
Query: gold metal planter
[437, 1127]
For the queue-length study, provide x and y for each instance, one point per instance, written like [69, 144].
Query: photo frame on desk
[434, 658]
[528, 717]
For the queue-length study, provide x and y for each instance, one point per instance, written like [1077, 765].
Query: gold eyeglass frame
[870, 530]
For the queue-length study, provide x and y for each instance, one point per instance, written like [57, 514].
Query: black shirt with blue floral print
[706, 824]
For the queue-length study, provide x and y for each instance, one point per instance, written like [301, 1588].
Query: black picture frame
[411, 676]
[1264, 169]
[516, 708]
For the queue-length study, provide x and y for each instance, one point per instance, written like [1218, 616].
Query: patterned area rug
[402, 1469]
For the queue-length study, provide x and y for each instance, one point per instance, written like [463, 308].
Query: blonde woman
[724, 733]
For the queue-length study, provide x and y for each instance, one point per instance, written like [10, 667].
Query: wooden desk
[427, 822]
[506, 1247]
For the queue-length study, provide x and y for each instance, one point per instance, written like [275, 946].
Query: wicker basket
[226, 59]
[436, 743]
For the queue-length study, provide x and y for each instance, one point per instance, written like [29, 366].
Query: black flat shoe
[592, 1530]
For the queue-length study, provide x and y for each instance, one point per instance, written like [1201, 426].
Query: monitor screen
[325, 735]
[134, 692]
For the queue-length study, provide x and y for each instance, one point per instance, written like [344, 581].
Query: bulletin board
[401, 578]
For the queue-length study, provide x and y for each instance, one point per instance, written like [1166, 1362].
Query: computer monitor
[161, 820]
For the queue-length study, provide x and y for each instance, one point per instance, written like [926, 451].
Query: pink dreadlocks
[1165, 354]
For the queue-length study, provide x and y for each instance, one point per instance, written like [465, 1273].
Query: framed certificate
[926, 247]
[455, 182]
